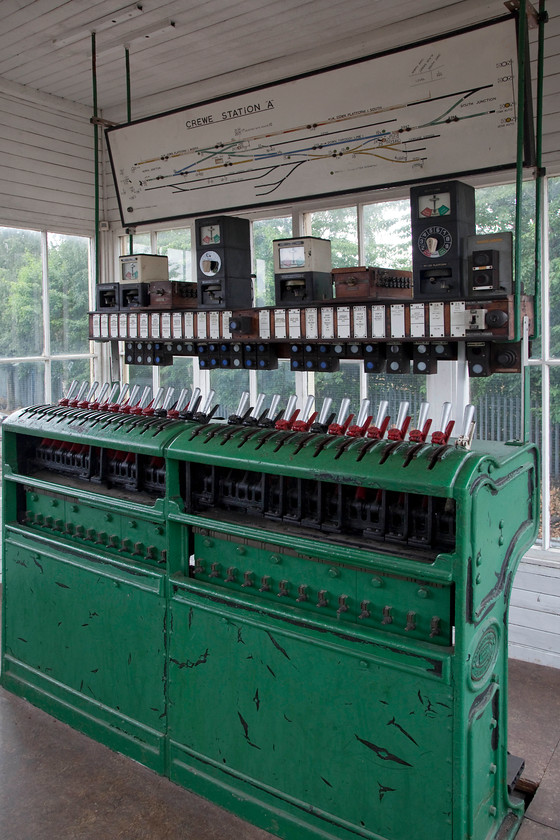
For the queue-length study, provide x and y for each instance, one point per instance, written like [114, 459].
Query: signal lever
[73, 402]
[325, 417]
[269, 417]
[243, 410]
[308, 417]
[110, 399]
[377, 431]
[89, 396]
[400, 428]
[126, 408]
[442, 436]
[144, 403]
[206, 413]
[180, 405]
[285, 423]
[465, 438]
[72, 388]
[253, 418]
[95, 403]
[163, 411]
[123, 393]
[192, 406]
[363, 420]
[342, 422]
[420, 434]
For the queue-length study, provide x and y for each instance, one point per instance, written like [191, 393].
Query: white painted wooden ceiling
[213, 45]
[185, 51]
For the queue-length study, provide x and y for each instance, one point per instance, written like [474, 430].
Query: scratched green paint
[177, 636]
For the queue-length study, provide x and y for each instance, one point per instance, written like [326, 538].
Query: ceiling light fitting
[100, 25]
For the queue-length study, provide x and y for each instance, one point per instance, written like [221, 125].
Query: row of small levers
[190, 405]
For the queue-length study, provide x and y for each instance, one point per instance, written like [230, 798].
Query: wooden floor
[57, 784]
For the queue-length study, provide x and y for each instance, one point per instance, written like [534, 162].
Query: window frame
[47, 357]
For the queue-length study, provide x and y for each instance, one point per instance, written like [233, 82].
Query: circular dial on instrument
[210, 263]
[435, 241]
[434, 205]
[210, 235]
[129, 271]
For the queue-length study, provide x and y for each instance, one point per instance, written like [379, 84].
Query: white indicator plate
[201, 328]
[155, 325]
[166, 324]
[378, 322]
[457, 317]
[123, 325]
[214, 325]
[264, 324]
[226, 315]
[343, 322]
[104, 326]
[417, 320]
[96, 326]
[143, 324]
[311, 323]
[114, 326]
[177, 325]
[294, 323]
[189, 326]
[437, 323]
[133, 325]
[360, 321]
[327, 322]
[397, 320]
[280, 323]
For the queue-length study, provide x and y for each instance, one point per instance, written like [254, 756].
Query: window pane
[341, 227]
[395, 388]
[68, 293]
[338, 385]
[554, 257]
[21, 384]
[64, 371]
[497, 400]
[228, 385]
[387, 235]
[281, 381]
[554, 432]
[176, 246]
[21, 315]
[141, 244]
[179, 375]
[139, 375]
[264, 232]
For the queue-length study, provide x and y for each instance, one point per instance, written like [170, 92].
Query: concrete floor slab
[534, 715]
[57, 784]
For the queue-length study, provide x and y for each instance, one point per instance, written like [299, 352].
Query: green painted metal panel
[311, 631]
[416, 607]
[314, 720]
[89, 635]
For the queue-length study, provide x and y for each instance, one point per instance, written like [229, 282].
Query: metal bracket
[532, 14]
[102, 122]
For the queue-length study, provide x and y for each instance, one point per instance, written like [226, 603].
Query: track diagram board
[426, 111]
